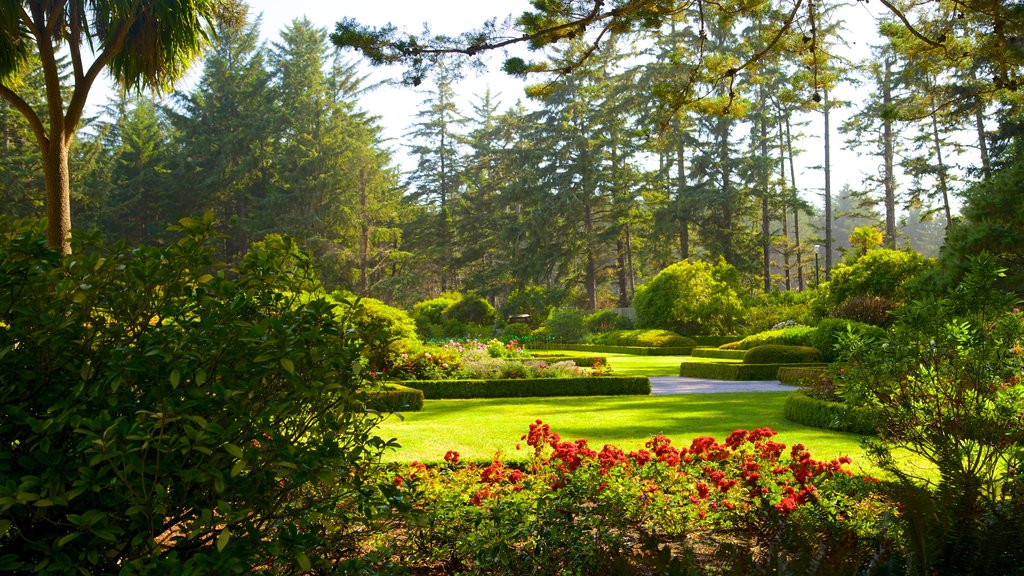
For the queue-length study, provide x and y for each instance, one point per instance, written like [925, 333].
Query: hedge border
[803, 409]
[715, 341]
[581, 361]
[706, 352]
[733, 370]
[635, 350]
[800, 375]
[532, 387]
[394, 398]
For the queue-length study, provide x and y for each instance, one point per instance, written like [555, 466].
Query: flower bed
[742, 505]
[608, 349]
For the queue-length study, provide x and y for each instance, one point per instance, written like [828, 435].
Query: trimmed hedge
[715, 341]
[529, 387]
[394, 398]
[635, 350]
[705, 352]
[781, 354]
[642, 337]
[799, 375]
[791, 336]
[582, 361]
[733, 370]
[803, 409]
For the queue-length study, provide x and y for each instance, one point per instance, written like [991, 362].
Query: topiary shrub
[648, 338]
[471, 309]
[792, 336]
[869, 309]
[160, 414]
[691, 297]
[608, 320]
[781, 354]
[428, 313]
[564, 326]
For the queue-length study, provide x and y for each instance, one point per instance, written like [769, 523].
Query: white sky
[397, 105]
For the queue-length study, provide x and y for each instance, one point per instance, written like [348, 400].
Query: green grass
[477, 429]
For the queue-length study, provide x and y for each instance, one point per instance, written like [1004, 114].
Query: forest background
[586, 187]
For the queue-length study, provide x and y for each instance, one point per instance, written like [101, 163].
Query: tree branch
[910, 27]
[19, 104]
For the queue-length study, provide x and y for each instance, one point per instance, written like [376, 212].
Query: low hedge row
[527, 387]
[715, 341]
[781, 354]
[645, 337]
[803, 409]
[607, 349]
[704, 352]
[733, 370]
[583, 361]
[394, 398]
[800, 375]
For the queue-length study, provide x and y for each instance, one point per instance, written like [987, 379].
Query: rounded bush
[386, 332]
[471, 309]
[880, 272]
[791, 336]
[868, 309]
[516, 330]
[826, 335]
[781, 354]
[608, 320]
[431, 311]
[565, 326]
[691, 297]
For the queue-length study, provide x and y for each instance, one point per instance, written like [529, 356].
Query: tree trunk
[629, 264]
[766, 233]
[58, 195]
[979, 123]
[828, 195]
[796, 208]
[888, 152]
[942, 169]
[364, 235]
[620, 273]
[681, 213]
[591, 272]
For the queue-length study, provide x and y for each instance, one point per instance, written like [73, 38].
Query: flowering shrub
[576, 509]
[433, 363]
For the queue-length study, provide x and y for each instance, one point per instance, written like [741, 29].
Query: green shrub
[880, 272]
[608, 349]
[781, 354]
[827, 333]
[516, 330]
[703, 352]
[471, 309]
[799, 375]
[386, 331]
[563, 326]
[704, 340]
[868, 309]
[394, 398]
[793, 336]
[608, 320]
[643, 337]
[537, 301]
[839, 416]
[581, 361]
[763, 311]
[691, 297]
[734, 370]
[160, 414]
[428, 313]
[521, 388]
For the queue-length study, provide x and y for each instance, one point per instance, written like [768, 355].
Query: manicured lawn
[479, 428]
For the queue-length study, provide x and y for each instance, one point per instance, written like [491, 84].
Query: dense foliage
[160, 414]
[690, 297]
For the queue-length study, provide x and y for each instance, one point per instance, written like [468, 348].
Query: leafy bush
[702, 352]
[608, 349]
[530, 387]
[747, 505]
[799, 375]
[781, 354]
[869, 309]
[947, 386]
[423, 363]
[828, 334]
[394, 398]
[606, 321]
[563, 326]
[880, 272]
[765, 310]
[428, 313]
[386, 331]
[646, 338]
[471, 309]
[516, 330]
[162, 415]
[691, 297]
[793, 336]
[839, 416]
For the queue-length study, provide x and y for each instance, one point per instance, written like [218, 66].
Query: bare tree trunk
[796, 208]
[888, 152]
[828, 193]
[979, 122]
[629, 264]
[620, 273]
[681, 215]
[58, 195]
[942, 169]
[766, 233]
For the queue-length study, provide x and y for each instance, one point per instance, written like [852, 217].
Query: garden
[163, 414]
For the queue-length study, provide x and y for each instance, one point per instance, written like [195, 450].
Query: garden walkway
[668, 385]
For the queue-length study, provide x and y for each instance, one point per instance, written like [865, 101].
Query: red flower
[736, 438]
[397, 481]
[493, 473]
[640, 457]
[451, 457]
[480, 496]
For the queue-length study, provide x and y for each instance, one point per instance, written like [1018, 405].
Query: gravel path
[667, 385]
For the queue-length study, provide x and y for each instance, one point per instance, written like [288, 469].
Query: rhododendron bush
[577, 509]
